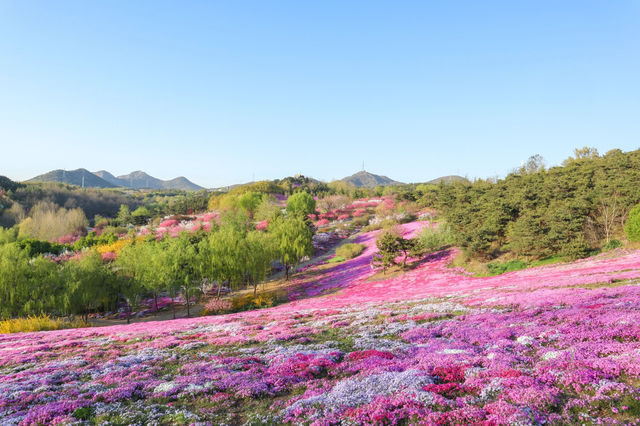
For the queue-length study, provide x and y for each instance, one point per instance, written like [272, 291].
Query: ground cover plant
[555, 344]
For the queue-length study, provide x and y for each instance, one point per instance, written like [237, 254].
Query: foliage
[293, 240]
[217, 306]
[124, 217]
[37, 323]
[90, 285]
[35, 247]
[47, 221]
[391, 245]
[536, 213]
[632, 226]
[301, 204]
[433, 239]
[612, 244]
[141, 215]
[349, 251]
[28, 285]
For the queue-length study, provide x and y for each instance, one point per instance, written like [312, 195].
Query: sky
[224, 92]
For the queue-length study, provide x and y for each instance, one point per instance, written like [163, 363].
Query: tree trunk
[186, 291]
[128, 312]
[286, 271]
[173, 306]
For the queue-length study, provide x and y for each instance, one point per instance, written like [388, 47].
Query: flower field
[550, 345]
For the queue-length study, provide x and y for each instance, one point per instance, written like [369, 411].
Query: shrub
[349, 251]
[248, 301]
[360, 221]
[433, 239]
[37, 323]
[613, 244]
[217, 306]
[336, 259]
[632, 227]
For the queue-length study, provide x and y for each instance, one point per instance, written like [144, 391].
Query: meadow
[555, 344]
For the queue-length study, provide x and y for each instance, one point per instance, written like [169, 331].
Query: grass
[37, 323]
[498, 267]
[350, 250]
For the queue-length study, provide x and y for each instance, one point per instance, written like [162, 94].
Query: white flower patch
[193, 345]
[354, 392]
[165, 387]
[492, 390]
[452, 351]
[551, 355]
[380, 344]
[525, 340]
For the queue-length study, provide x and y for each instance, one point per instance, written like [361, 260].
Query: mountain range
[104, 179]
[142, 180]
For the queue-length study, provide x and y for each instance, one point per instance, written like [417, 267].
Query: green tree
[293, 240]
[184, 266]
[260, 249]
[141, 215]
[632, 226]
[89, 285]
[124, 215]
[301, 204]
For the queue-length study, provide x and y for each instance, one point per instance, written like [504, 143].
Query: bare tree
[609, 212]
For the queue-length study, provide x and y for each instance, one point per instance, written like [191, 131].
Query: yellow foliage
[117, 246]
[248, 301]
[37, 323]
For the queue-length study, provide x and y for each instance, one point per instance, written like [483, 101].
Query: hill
[104, 179]
[448, 180]
[364, 179]
[79, 177]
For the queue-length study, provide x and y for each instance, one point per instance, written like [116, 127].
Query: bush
[613, 244]
[349, 251]
[632, 227]
[217, 306]
[37, 323]
[434, 239]
[248, 301]
[360, 221]
[35, 247]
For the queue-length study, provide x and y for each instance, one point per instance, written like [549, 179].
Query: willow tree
[293, 240]
[89, 285]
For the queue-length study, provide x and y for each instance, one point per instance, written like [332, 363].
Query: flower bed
[556, 344]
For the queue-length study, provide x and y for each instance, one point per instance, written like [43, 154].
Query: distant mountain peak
[369, 180]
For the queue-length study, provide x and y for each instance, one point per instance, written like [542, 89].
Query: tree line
[569, 211]
[233, 254]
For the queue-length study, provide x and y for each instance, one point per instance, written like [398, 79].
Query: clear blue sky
[220, 91]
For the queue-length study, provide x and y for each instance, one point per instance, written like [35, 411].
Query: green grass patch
[350, 250]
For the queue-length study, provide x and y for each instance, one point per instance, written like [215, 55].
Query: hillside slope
[557, 344]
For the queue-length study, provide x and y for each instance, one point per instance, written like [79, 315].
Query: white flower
[164, 387]
[525, 340]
